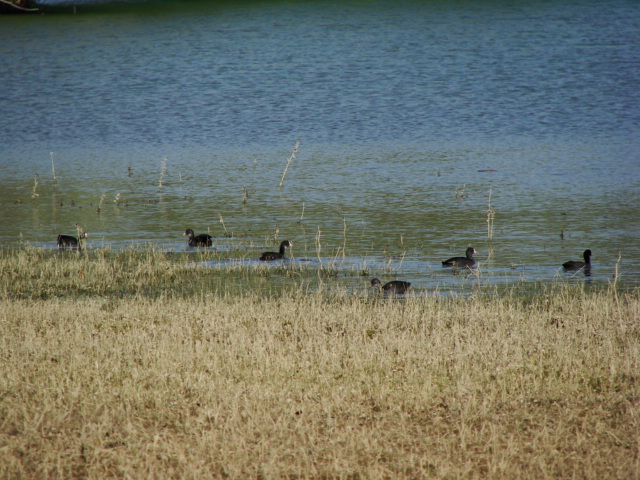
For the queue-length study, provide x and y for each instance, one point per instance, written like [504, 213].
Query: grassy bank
[214, 384]
[33, 273]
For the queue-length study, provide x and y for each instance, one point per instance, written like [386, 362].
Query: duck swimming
[279, 255]
[202, 240]
[395, 287]
[467, 261]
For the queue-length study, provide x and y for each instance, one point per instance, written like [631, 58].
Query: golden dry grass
[128, 365]
[311, 386]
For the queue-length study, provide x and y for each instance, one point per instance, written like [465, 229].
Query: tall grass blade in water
[319, 245]
[223, 225]
[99, 208]
[616, 272]
[491, 214]
[163, 170]
[34, 190]
[289, 160]
[53, 171]
[344, 238]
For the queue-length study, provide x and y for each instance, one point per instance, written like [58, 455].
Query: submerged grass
[195, 382]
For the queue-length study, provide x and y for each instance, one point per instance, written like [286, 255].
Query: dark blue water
[397, 106]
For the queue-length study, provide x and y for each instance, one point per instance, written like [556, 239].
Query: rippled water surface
[415, 119]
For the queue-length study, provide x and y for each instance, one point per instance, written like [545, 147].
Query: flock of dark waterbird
[395, 287]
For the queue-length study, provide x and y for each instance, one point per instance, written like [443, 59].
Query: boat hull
[7, 7]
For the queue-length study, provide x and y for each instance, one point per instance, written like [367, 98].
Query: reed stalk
[99, 209]
[344, 238]
[616, 274]
[223, 225]
[34, 190]
[318, 244]
[53, 170]
[289, 160]
[491, 213]
[163, 170]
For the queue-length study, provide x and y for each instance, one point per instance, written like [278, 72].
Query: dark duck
[68, 241]
[395, 287]
[279, 255]
[462, 262]
[577, 265]
[202, 240]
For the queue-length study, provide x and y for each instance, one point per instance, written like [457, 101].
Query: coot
[467, 261]
[576, 265]
[202, 240]
[270, 256]
[67, 241]
[395, 287]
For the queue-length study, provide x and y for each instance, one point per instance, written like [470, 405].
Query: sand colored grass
[320, 386]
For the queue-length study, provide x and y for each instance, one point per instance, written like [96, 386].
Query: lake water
[413, 117]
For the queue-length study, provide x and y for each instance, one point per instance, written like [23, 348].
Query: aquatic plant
[99, 208]
[223, 225]
[289, 160]
[34, 190]
[344, 238]
[53, 170]
[163, 170]
[318, 241]
[616, 273]
[491, 214]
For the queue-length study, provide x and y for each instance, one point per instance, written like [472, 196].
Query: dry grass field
[307, 385]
